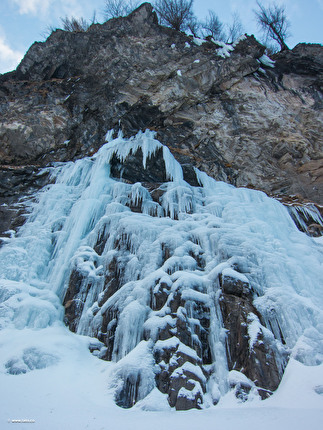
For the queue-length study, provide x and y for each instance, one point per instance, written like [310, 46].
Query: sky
[22, 22]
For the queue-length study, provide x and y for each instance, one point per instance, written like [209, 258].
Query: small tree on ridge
[74, 24]
[177, 14]
[117, 8]
[274, 23]
[213, 26]
[235, 29]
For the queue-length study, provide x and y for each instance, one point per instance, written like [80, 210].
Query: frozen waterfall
[152, 272]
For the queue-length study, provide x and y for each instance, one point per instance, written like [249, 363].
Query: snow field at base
[233, 231]
[73, 395]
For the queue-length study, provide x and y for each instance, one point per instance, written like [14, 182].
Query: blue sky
[23, 22]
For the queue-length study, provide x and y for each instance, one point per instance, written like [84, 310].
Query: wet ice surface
[208, 230]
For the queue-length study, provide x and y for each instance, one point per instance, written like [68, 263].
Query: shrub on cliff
[177, 14]
[117, 8]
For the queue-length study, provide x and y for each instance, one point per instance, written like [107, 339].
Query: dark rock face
[131, 170]
[234, 286]
[16, 184]
[304, 59]
[256, 358]
[232, 116]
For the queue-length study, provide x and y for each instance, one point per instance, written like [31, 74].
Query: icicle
[304, 215]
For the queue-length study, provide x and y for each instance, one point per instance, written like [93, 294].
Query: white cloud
[49, 8]
[9, 58]
[32, 6]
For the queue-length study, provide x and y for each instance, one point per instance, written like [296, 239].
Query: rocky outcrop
[255, 355]
[17, 184]
[223, 109]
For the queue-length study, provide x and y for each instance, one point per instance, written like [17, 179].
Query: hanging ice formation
[307, 217]
[191, 290]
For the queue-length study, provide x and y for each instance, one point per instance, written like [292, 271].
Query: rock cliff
[226, 110]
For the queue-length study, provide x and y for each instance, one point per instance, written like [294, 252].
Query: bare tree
[74, 24]
[71, 24]
[117, 8]
[235, 29]
[195, 27]
[177, 14]
[213, 27]
[274, 23]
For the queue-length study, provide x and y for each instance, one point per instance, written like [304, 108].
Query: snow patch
[228, 271]
[224, 50]
[266, 61]
[198, 41]
[254, 329]
[240, 39]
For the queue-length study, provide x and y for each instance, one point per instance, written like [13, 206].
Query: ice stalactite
[307, 217]
[191, 290]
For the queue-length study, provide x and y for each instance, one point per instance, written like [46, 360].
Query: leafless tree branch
[274, 23]
[74, 24]
[235, 29]
[213, 27]
[117, 8]
[177, 14]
